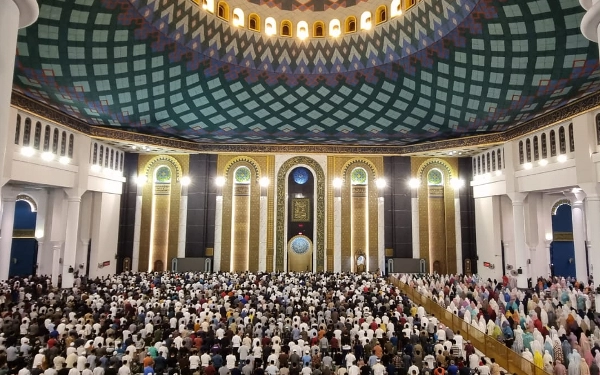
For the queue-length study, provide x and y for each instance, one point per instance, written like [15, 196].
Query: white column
[218, 230]
[414, 210]
[548, 243]
[13, 16]
[39, 258]
[262, 235]
[56, 261]
[137, 229]
[579, 240]
[593, 216]
[183, 205]
[458, 233]
[488, 226]
[337, 233]
[6, 235]
[380, 235]
[521, 249]
[71, 241]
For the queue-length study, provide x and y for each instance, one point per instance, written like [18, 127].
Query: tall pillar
[183, 206]
[458, 233]
[218, 231]
[593, 216]
[56, 261]
[68, 265]
[13, 16]
[380, 235]
[414, 211]
[137, 229]
[262, 235]
[520, 247]
[6, 234]
[488, 227]
[579, 239]
[337, 231]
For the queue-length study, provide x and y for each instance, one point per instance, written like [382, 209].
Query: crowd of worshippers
[554, 325]
[226, 324]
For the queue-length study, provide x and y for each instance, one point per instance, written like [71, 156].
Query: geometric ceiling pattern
[445, 69]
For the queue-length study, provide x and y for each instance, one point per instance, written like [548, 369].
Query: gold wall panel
[359, 219]
[342, 167]
[259, 165]
[330, 212]
[420, 166]
[147, 164]
[301, 211]
[299, 262]
[240, 244]
[159, 243]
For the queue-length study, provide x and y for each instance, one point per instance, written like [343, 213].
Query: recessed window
[302, 30]
[270, 26]
[365, 21]
[335, 29]
[18, 130]
[286, 28]
[55, 141]
[396, 8]
[254, 22]
[223, 10]
[544, 146]
[350, 24]
[381, 14]
[37, 136]
[562, 140]
[27, 132]
[319, 29]
[238, 17]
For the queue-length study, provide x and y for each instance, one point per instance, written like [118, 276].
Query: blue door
[562, 250]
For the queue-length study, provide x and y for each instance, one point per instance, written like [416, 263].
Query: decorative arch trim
[164, 158]
[280, 246]
[28, 199]
[431, 161]
[359, 163]
[557, 204]
[246, 159]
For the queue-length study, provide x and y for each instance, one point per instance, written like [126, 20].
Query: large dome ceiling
[442, 70]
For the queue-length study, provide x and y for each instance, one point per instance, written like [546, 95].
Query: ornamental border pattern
[320, 211]
[579, 106]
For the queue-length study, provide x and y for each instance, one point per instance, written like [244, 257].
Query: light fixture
[39, 233]
[549, 236]
[575, 190]
[64, 160]
[186, 180]
[337, 182]
[457, 183]
[498, 172]
[140, 180]
[47, 156]
[527, 166]
[562, 158]
[27, 151]
[543, 162]
[220, 181]
[414, 183]
[302, 33]
[451, 153]
[96, 168]
[134, 147]
[380, 183]
[264, 181]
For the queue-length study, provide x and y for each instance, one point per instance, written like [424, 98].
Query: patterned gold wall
[439, 233]
[147, 164]
[260, 166]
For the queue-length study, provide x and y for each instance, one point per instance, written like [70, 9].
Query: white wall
[488, 236]
[105, 229]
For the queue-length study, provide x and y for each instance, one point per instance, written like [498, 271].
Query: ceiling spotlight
[220, 181]
[27, 151]
[414, 183]
[380, 183]
[562, 158]
[264, 181]
[337, 182]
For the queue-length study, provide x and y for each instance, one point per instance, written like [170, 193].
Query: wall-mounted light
[186, 180]
[64, 160]
[220, 181]
[549, 236]
[39, 234]
[337, 182]
[264, 181]
[414, 183]
[380, 183]
[562, 158]
[527, 165]
[96, 168]
[543, 162]
[27, 151]
[140, 180]
[47, 156]
[457, 183]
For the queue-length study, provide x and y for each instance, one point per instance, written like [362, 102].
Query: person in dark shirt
[64, 370]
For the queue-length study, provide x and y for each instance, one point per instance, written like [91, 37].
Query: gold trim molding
[28, 199]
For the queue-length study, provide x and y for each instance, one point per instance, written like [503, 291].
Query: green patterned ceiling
[445, 69]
